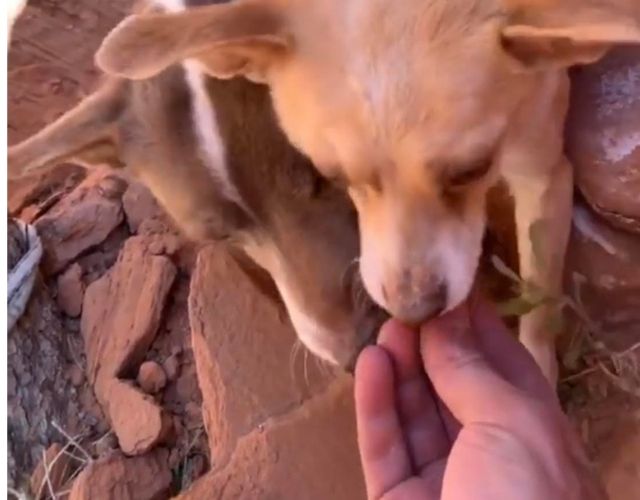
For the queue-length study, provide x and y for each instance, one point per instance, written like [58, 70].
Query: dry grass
[585, 355]
[79, 459]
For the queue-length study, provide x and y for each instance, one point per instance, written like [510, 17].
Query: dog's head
[406, 103]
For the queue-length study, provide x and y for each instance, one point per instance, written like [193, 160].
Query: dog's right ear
[241, 38]
[572, 32]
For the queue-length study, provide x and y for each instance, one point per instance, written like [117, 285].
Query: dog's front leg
[543, 199]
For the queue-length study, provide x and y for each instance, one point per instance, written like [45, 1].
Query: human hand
[484, 423]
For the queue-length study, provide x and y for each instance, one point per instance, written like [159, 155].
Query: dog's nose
[416, 309]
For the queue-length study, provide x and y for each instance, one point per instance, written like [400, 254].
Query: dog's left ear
[240, 38]
[567, 36]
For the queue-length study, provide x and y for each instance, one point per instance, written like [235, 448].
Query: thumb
[461, 373]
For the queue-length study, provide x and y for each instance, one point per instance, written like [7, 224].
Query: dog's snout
[438, 299]
[414, 301]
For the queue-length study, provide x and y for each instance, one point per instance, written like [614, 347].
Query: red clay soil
[171, 366]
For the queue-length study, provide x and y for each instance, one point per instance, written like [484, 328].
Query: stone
[140, 204]
[121, 314]
[603, 135]
[39, 187]
[309, 453]
[116, 477]
[233, 328]
[122, 310]
[151, 377]
[77, 223]
[52, 472]
[621, 468]
[71, 290]
[112, 186]
[136, 419]
[604, 262]
[171, 367]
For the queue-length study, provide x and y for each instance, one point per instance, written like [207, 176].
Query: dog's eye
[470, 174]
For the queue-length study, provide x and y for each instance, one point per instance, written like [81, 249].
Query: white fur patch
[459, 256]
[309, 331]
[170, 5]
[204, 118]
[15, 8]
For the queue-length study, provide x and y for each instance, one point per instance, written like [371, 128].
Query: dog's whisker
[295, 349]
[323, 367]
[348, 269]
[306, 370]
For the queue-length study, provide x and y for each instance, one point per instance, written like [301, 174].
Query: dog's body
[213, 155]
[418, 108]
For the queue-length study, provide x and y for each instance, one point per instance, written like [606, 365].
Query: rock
[112, 187]
[78, 222]
[603, 136]
[122, 310]
[116, 477]
[606, 263]
[310, 453]
[620, 468]
[140, 204]
[42, 187]
[52, 472]
[232, 328]
[121, 314]
[71, 290]
[151, 377]
[171, 367]
[136, 419]
[167, 244]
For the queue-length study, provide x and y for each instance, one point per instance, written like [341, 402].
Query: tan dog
[214, 156]
[418, 107]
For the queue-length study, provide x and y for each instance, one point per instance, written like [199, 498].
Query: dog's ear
[231, 39]
[568, 35]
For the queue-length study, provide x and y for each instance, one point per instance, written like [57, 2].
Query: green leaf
[518, 306]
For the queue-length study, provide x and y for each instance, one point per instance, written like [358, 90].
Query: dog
[417, 108]
[14, 9]
[214, 156]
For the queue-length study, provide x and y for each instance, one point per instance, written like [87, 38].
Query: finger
[460, 372]
[384, 454]
[506, 354]
[425, 434]
[451, 424]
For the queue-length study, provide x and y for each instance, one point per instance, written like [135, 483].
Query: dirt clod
[139, 204]
[123, 309]
[171, 367]
[116, 477]
[77, 222]
[151, 377]
[136, 419]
